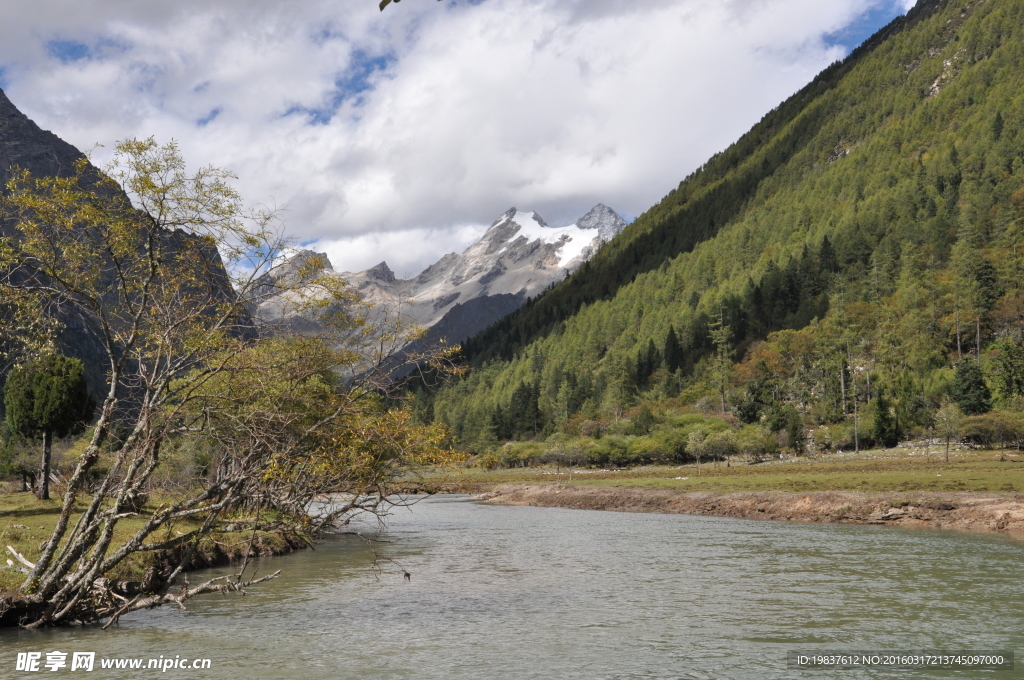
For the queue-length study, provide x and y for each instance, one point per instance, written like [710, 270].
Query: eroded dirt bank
[979, 512]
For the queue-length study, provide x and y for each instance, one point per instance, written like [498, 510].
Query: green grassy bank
[874, 471]
[26, 523]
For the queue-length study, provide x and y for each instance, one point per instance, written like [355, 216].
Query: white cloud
[441, 115]
[407, 252]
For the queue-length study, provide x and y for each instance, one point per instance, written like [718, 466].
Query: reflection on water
[515, 592]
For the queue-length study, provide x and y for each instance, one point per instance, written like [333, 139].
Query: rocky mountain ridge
[25, 145]
[462, 293]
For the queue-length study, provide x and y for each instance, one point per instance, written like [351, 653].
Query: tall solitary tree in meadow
[48, 397]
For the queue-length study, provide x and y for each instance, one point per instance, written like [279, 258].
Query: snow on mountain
[516, 258]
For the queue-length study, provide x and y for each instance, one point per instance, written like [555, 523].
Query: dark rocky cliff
[23, 144]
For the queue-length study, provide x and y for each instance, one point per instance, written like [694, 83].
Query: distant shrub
[513, 454]
[721, 445]
[832, 438]
[756, 443]
[643, 421]
[996, 428]
[592, 428]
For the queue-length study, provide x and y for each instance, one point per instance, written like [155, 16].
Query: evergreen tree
[911, 407]
[989, 290]
[968, 389]
[827, 257]
[500, 425]
[45, 398]
[647, 362]
[886, 430]
[785, 417]
[758, 398]
[644, 420]
[1010, 368]
[524, 411]
[795, 432]
[720, 336]
[674, 357]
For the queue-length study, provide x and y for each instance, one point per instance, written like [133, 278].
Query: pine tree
[720, 336]
[827, 257]
[886, 430]
[674, 358]
[524, 411]
[644, 420]
[1010, 368]
[45, 398]
[759, 396]
[500, 425]
[795, 431]
[968, 389]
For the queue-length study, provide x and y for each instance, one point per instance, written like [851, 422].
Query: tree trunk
[842, 385]
[44, 481]
[856, 422]
[959, 354]
[977, 346]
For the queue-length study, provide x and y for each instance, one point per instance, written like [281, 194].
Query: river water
[521, 592]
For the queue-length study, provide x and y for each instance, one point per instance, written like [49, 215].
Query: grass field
[871, 471]
[25, 523]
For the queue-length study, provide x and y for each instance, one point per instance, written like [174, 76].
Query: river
[521, 592]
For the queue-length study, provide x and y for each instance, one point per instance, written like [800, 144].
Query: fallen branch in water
[185, 593]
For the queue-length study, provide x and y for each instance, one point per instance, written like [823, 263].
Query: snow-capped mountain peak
[517, 257]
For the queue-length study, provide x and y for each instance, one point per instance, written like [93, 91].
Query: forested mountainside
[846, 268]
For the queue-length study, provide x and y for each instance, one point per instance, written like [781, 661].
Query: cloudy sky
[399, 135]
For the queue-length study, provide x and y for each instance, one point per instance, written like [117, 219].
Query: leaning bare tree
[165, 267]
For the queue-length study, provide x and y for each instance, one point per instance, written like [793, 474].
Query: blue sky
[357, 78]
[865, 25]
[67, 51]
[400, 135]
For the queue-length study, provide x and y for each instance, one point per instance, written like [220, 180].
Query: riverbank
[876, 471]
[26, 523]
[963, 511]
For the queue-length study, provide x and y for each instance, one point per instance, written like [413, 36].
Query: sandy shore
[978, 512]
